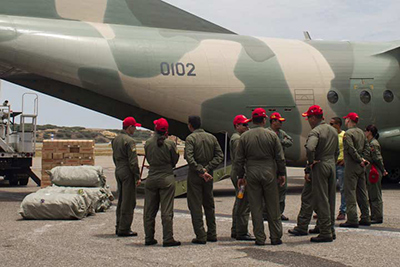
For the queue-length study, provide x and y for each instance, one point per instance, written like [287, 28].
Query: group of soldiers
[258, 174]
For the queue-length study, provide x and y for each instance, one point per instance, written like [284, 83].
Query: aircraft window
[388, 96]
[333, 97]
[365, 97]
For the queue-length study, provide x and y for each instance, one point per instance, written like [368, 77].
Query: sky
[352, 20]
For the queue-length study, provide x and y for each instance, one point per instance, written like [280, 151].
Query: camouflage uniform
[241, 209]
[355, 146]
[160, 187]
[375, 190]
[322, 145]
[127, 174]
[261, 153]
[286, 142]
[202, 151]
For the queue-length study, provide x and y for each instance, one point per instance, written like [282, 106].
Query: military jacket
[355, 146]
[202, 151]
[233, 144]
[124, 154]
[375, 156]
[286, 140]
[161, 159]
[259, 145]
[322, 145]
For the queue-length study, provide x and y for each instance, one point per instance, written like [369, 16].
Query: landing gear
[393, 176]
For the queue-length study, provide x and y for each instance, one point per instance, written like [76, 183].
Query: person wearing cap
[203, 154]
[356, 149]
[319, 192]
[162, 156]
[127, 175]
[241, 209]
[276, 121]
[258, 159]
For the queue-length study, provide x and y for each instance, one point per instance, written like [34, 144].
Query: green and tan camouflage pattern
[106, 55]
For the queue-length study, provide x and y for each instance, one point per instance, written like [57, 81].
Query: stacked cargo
[65, 153]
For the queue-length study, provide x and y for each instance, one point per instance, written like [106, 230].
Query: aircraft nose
[390, 139]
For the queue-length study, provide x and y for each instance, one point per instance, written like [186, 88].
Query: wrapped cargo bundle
[48, 205]
[63, 203]
[76, 176]
[77, 191]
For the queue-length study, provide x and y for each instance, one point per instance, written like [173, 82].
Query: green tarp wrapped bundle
[76, 176]
[76, 193]
[53, 205]
[63, 203]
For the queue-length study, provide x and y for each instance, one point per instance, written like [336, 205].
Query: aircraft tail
[147, 13]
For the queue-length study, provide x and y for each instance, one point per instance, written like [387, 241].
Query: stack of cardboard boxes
[65, 153]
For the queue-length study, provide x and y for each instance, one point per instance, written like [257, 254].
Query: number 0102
[178, 69]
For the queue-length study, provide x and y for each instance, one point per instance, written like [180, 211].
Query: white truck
[18, 142]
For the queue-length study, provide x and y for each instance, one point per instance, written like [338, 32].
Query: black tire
[23, 181]
[13, 180]
[393, 176]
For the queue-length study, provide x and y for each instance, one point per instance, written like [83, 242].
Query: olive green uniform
[322, 145]
[375, 190]
[260, 152]
[286, 142]
[202, 151]
[355, 147]
[160, 187]
[127, 174]
[241, 209]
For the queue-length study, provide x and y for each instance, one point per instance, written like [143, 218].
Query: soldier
[374, 185]
[162, 155]
[276, 121]
[356, 148]
[336, 123]
[260, 152]
[241, 209]
[203, 154]
[322, 150]
[127, 176]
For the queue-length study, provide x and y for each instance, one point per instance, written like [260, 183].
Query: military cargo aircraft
[147, 58]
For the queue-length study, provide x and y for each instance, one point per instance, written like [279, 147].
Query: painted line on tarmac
[375, 231]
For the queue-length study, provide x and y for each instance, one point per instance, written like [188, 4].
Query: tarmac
[92, 241]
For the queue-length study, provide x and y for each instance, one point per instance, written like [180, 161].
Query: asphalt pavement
[92, 242]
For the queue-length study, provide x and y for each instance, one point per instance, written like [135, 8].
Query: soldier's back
[120, 146]
[328, 142]
[259, 143]
[203, 144]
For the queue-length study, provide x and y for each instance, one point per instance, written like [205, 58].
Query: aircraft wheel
[393, 176]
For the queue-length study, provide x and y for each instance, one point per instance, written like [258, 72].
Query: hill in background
[49, 131]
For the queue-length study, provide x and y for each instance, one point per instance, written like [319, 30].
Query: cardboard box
[47, 155]
[87, 162]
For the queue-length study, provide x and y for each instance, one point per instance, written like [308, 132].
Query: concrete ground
[91, 241]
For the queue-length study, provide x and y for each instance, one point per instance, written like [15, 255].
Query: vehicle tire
[13, 180]
[23, 181]
[393, 176]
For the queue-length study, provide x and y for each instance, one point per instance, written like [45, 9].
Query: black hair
[125, 127]
[195, 121]
[319, 116]
[372, 128]
[258, 120]
[337, 120]
[271, 120]
[161, 138]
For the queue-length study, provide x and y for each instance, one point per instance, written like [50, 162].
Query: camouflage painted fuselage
[145, 70]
